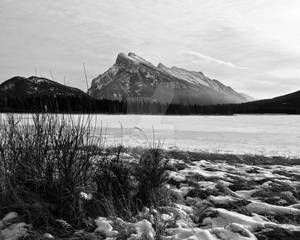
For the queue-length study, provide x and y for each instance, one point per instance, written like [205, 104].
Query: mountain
[289, 103]
[133, 78]
[286, 104]
[249, 98]
[21, 87]
[36, 94]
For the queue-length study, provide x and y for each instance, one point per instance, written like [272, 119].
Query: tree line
[85, 104]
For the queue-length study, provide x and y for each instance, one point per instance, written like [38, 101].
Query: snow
[222, 199]
[296, 206]
[231, 201]
[190, 234]
[9, 217]
[231, 232]
[15, 231]
[189, 76]
[10, 230]
[180, 193]
[246, 193]
[104, 227]
[144, 230]
[225, 217]
[86, 196]
[265, 208]
[176, 176]
[218, 177]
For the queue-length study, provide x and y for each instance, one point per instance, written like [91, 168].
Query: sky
[251, 45]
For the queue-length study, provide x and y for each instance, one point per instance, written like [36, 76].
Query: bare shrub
[47, 159]
[114, 184]
[151, 174]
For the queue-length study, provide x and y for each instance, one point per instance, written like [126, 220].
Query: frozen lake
[254, 134]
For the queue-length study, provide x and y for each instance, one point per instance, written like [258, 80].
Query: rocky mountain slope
[133, 78]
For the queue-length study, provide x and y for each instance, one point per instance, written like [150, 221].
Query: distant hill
[25, 87]
[289, 104]
[133, 78]
[41, 94]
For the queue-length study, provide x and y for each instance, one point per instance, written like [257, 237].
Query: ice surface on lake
[254, 134]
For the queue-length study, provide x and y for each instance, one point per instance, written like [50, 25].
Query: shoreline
[245, 158]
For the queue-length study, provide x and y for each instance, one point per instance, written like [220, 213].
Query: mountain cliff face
[20, 87]
[134, 78]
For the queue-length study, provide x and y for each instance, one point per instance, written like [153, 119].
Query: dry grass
[48, 160]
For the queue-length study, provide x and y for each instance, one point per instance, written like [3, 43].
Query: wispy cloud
[235, 35]
[209, 59]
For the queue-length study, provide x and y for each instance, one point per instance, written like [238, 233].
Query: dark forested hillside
[69, 104]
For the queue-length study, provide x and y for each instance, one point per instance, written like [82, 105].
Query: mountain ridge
[21, 87]
[36, 94]
[133, 77]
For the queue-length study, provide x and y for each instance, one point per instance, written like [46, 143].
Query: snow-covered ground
[211, 200]
[218, 200]
[236, 201]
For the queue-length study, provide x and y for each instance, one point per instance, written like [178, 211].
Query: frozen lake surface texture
[252, 134]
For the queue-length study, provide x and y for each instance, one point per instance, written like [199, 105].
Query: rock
[222, 217]
[166, 217]
[190, 233]
[233, 231]
[48, 236]
[104, 227]
[8, 218]
[228, 202]
[265, 208]
[86, 196]
[238, 228]
[221, 186]
[14, 231]
[230, 232]
[144, 230]
[277, 233]
[288, 197]
[133, 77]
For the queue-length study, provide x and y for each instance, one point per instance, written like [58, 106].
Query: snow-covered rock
[144, 230]
[14, 231]
[104, 227]
[133, 77]
[223, 217]
[230, 232]
[265, 208]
